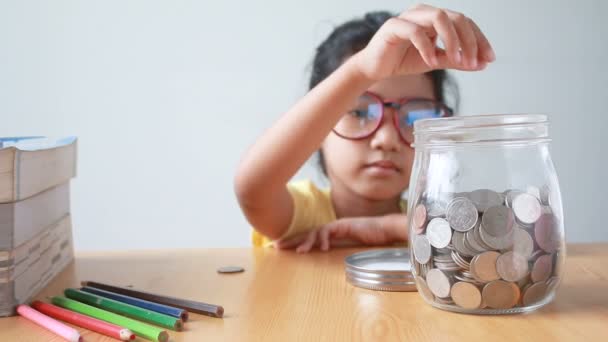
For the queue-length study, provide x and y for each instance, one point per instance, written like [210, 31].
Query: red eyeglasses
[364, 119]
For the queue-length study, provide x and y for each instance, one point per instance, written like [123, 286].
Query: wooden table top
[284, 296]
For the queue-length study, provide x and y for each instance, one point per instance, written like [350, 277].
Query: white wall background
[166, 95]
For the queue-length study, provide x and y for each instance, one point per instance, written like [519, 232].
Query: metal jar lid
[381, 269]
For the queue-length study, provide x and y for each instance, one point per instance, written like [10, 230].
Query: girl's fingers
[485, 49]
[307, 245]
[467, 38]
[399, 30]
[446, 63]
[439, 21]
[324, 234]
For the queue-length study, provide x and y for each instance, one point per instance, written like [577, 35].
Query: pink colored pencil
[47, 322]
[84, 321]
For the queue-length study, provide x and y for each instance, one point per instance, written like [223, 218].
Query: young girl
[371, 80]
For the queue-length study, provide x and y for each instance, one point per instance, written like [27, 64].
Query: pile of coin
[486, 249]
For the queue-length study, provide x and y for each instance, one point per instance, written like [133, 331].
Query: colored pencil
[50, 324]
[125, 309]
[190, 305]
[83, 321]
[144, 304]
[140, 329]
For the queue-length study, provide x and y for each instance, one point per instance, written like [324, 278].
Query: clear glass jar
[486, 224]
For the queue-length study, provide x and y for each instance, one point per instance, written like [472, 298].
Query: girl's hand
[407, 44]
[379, 230]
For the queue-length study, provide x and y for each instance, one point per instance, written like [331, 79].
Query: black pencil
[190, 305]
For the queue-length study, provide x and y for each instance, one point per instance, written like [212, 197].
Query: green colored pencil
[125, 309]
[138, 328]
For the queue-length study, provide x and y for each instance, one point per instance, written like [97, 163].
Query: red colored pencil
[83, 321]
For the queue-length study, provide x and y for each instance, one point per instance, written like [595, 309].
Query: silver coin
[499, 243]
[230, 269]
[512, 266]
[460, 261]
[458, 243]
[526, 208]
[510, 195]
[422, 249]
[478, 239]
[472, 243]
[439, 283]
[497, 221]
[439, 233]
[522, 243]
[462, 214]
[484, 199]
[435, 208]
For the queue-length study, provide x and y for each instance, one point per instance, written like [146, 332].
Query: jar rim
[489, 129]
[476, 121]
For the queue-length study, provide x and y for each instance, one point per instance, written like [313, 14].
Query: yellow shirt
[312, 208]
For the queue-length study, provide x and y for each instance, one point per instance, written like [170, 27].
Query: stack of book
[35, 224]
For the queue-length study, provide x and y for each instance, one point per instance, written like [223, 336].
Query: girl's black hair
[350, 38]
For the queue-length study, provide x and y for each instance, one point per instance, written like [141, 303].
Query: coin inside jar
[522, 243]
[439, 233]
[510, 195]
[484, 266]
[462, 214]
[512, 266]
[484, 199]
[500, 294]
[419, 218]
[535, 293]
[466, 295]
[422, 249]
[542, 269]
[526, 208]
[497, 221]
[439, 283]
[546, 233]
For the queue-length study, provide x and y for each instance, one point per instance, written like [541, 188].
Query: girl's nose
[387, 137]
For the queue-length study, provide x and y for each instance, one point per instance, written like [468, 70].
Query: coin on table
[546, 233]
[512, 266]
[230, 269]
[466, 295]
[498, 221]
[485, 198]
[439, 232]
[462, 214]
[542, 268]
[484, 265]
[439, 283]
[535, 293]
[522, 243]
[419, 218]
[422, 249]
[526, 208]
[500, 294]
